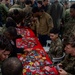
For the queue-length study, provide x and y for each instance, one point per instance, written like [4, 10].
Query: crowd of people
[49, 21]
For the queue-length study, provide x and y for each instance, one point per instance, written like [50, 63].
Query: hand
[28, 49]
[60, 65]
[62, 72]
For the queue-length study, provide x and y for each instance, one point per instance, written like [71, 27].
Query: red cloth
[31, 42]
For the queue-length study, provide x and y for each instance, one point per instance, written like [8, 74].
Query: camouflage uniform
[55, 50]
[69, 27]
[68, 64]
[66, 15]
[28, 14]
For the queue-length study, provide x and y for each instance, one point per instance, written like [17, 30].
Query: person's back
[12, 66]
[56, 13]
[16, 14]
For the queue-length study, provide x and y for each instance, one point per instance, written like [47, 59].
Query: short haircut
[37, 9]
[10, 22]
[5, 44]
[73, 6]
[28, 2]
[40, 2]
[15, 11]
[12, 66]
[54, 31]
[69, 40]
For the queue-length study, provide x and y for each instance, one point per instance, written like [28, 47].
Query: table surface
[35, 60]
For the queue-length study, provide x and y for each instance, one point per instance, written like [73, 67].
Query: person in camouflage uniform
[69, 27]
[67, 66]
[28, 12]
[66, 15]
[56, 47]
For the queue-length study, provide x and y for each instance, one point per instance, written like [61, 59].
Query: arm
[49, 23]
[5, 9]
[63, 72]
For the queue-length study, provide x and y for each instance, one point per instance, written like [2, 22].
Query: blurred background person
[46, 5]
[11, 34]
[56, 12]
[39, 3]
[27, 13]
[5, 48]
[69, 26]
[12, 66]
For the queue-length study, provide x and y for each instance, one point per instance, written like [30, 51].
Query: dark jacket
[15, 49]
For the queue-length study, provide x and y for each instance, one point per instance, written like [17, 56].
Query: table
[35, 60]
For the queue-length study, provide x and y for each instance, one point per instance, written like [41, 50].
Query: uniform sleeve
[64, 62]
[50, 24]
[5, 9]
[59, 51]
[35, 26]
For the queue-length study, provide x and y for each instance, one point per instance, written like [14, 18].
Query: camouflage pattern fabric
[69, 64]
[56, 49]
